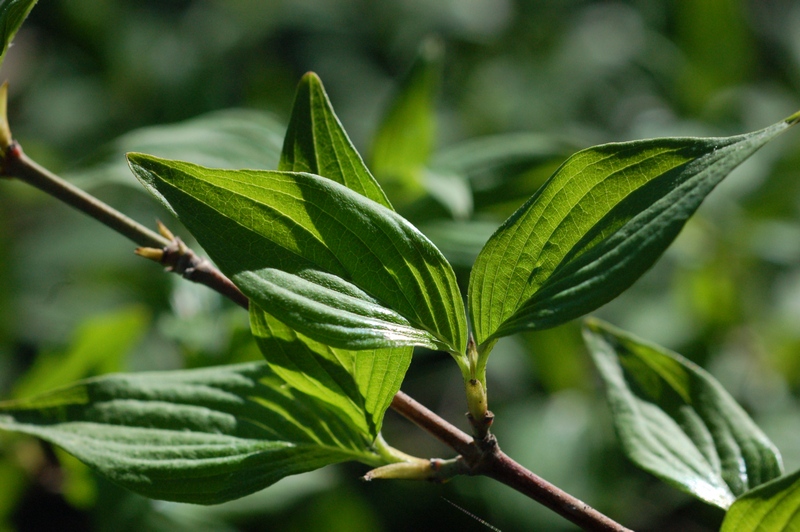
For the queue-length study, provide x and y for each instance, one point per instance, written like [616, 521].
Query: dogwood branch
[482, 457]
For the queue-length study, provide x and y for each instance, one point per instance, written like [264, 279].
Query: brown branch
[502, 468]
[486, 458]
[175, 255]
[441, 429]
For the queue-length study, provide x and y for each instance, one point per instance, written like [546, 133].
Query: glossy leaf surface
[201, 436]
[676, 421]
[595, 226]
[773, 507]
[329, 262]
[359, 384]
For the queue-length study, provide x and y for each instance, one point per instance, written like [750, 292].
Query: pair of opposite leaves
[318, 245]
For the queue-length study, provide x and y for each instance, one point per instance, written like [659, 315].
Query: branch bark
[485, 458]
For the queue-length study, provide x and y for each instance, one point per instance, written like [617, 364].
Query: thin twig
[441, 429]
[173, 253]
[502, 468]
[486, 458]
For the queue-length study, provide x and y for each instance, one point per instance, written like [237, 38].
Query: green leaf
[359, 384]
[460, 241]
[201, 436]
[230, 138]
[501, 152]
[334, 265]
[12, 14]
[772, 507]
[404, 141]
[316, 143]
[503, 169]
[99, 347]
[677, 422]
[595, 226]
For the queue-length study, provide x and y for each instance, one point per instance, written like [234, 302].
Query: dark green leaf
[12, 14]
[772, 507]
[597, 225]
[359, 384]
[332, 264]
[316, 143]
[677, 422]
[201, 436]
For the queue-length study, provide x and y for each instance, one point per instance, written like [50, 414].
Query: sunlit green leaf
[99, 346]
[12, 14]
[597, 225]
[316, 143]
[677, 422]
[403, 144]
[202, 436]
[359, 384]
[329, 262]
[772, 507]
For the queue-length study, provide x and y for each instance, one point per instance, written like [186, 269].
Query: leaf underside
[677, 422]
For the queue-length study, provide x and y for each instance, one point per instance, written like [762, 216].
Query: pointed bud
[153, 254]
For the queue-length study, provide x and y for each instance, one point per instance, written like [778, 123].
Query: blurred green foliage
[564, 74]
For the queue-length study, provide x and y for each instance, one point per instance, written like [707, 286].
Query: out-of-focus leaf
[98, 347]
[359, 384]
[772, 507]
[317, 143]
[329, 262]
[502, 169]
[231, 138]
[677, 422]
[201, 436]
[404, 141]
[12, 14]
[460, 241]
[475, 157]
[595, 227]
[451, 190]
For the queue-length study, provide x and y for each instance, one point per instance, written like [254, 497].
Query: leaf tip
[310, 78]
